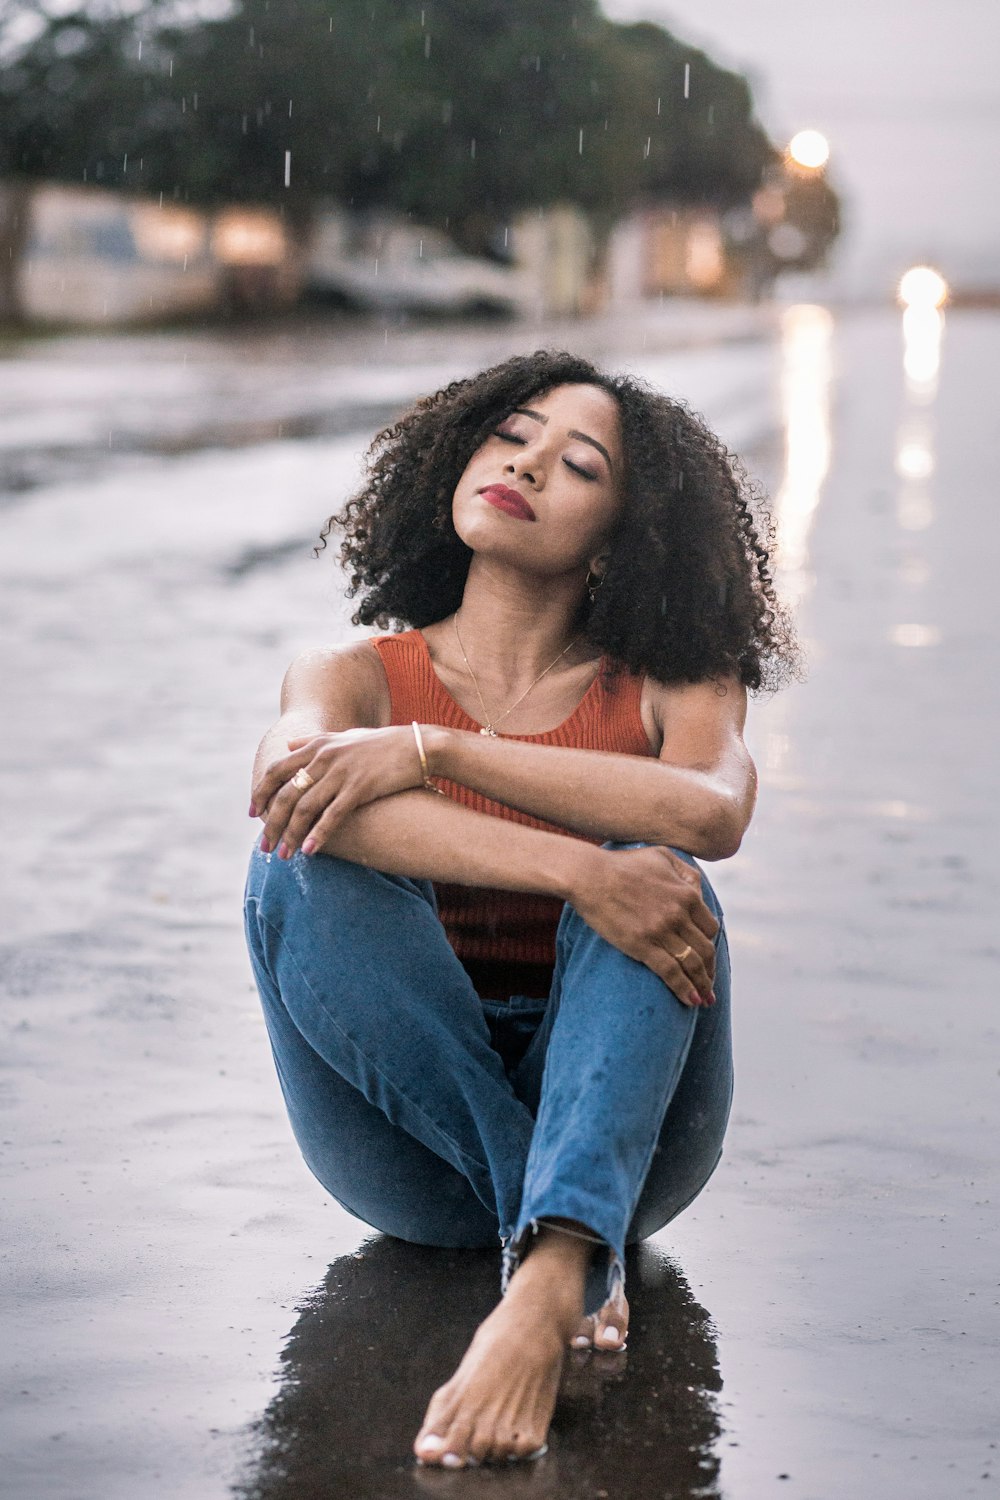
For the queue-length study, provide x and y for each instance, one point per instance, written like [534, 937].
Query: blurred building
[91, 256]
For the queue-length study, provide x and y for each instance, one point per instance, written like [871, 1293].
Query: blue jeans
[445, 1119]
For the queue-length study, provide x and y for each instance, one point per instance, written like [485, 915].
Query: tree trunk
[15, 208]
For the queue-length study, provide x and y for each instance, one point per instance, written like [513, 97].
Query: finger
[309, 807]
[704, 918]
[664, 964]
[278, 815]
[326, 804]
[699, 964]
[274, 778]
[327, 823]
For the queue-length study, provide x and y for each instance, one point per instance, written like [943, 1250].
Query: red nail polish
[265, 846]
[309, 847]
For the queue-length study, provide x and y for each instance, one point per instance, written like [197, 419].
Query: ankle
[552, 1275]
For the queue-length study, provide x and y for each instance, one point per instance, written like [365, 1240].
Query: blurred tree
[460, 112]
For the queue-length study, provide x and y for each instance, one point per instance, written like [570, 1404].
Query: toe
[584, 1335]
[611, 1331]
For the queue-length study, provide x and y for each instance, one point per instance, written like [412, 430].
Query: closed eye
[510, 437]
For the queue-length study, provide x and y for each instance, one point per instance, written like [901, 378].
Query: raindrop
[331, 23]
[687, 80]
[376, 265]
[680, 479]
[185, 265]
[378, 125]
[658, 102]
[645, 149]
[289, 109]
[125, 162]
[505, 232]
[427, 45]
[422, 15]
[446, 112]
[246, 123]
[184, 104]
[161, 195]
[170, 74]
[139, 59]
[472, 148]
[288, 169]
[580, 144]
[194, 100]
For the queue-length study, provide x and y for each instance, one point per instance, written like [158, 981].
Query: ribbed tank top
[506, 939]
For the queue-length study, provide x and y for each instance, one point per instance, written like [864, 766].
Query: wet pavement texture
[186, 1313]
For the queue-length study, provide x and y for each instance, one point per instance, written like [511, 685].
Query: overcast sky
[906, 90]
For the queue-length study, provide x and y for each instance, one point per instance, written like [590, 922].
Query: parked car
[388, 265]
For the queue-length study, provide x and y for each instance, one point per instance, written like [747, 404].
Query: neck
[512, 627]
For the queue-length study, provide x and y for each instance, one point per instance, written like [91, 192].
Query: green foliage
[460, 111]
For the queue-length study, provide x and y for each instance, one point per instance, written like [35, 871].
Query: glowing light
[922, 286]
[806, 379]
[923, 328]
[170, 234]
[249, 237]
[914, 461]
[809, 148]
[704, 260]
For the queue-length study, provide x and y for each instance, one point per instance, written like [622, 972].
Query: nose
[526, 464]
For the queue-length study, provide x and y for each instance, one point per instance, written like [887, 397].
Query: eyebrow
[525, 411]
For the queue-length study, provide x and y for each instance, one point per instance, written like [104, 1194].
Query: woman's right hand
[648, 903]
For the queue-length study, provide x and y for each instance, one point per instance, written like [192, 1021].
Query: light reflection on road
[806, 338]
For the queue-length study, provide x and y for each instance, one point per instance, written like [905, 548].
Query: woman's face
[545, 489]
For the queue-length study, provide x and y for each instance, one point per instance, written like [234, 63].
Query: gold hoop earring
[593, 587]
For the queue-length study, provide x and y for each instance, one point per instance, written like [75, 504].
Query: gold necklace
[489, 727]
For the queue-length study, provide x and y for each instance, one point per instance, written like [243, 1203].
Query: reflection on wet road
[189, 1310]
[392, 1321]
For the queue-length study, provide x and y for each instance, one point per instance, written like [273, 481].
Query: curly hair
[688, 593]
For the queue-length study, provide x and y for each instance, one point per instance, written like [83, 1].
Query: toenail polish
[581, 1341]
[432, 1442]
[611, 1333]
[451, 1461]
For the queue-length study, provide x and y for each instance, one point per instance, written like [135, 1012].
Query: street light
[809, 149]
[922, 286]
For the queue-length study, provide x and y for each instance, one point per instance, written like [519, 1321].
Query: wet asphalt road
[188, 1315]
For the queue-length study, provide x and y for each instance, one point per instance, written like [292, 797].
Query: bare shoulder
[685, 717]
[345, 686]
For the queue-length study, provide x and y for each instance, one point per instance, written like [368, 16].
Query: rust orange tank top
[506, 939]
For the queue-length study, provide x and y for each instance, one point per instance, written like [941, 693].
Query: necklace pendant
[491, 732]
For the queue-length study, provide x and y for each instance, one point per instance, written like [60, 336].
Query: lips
[508, 500]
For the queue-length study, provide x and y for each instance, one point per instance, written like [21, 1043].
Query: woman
[586, 599]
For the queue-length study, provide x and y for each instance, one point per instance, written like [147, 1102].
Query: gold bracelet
[424, 768]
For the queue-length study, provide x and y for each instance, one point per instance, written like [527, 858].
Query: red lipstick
[509, 500]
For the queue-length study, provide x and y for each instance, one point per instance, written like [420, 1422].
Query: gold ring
[680, 957]
[302, 780]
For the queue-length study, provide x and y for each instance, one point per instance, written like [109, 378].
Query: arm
[698, 795]
[647, 902]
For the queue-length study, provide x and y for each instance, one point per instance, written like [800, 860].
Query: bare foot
[607, 1329]
[500, 1400]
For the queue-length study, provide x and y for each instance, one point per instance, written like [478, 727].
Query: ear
[598, 563]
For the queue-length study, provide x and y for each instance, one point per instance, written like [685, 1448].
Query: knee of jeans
[324, 875]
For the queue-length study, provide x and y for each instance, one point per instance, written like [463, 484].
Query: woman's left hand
[348, 769]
